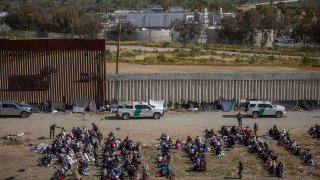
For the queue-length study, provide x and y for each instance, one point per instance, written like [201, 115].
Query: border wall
[38, 70]
[208, 87]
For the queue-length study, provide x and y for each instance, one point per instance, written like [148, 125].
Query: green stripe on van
[261, 111]
[137, 112]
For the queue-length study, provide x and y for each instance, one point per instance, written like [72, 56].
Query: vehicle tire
[255, 114]
[156, 116]
[125, 116]
[279, 114]
[24, 115]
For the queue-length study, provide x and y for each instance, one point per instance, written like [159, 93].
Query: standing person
[279, 170]
[239, 116]
[96, 160]
[95, 127]
[240, 170]
[52, 129]
[145, 174]
[255, 129]
[99, 137]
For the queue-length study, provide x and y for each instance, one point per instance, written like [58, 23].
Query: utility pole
[118, 47]
[32, 28]
[32, 22]
[149, 30]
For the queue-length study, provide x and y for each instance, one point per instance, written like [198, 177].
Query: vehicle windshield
[22, 105]
[152, 106]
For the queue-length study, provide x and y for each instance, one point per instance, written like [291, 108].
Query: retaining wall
[207, 87]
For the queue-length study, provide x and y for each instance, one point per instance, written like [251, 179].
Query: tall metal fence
[52, 70]
[208, 87]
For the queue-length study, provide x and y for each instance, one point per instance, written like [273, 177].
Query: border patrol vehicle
[262, 108]
[139, 109]
[12, 108]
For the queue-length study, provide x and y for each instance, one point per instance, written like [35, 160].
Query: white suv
[260, 108]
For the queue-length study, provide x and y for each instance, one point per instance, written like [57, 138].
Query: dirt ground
[175, 124]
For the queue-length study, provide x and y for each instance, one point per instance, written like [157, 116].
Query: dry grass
[13, 142]
[196, 57]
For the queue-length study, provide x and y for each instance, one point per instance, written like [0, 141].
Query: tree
[269, 19]
[52, 17]
[187, 30]
[303, 28]
[229, 28]
[316, 31]
[89, 24]
[126, 28]
[251, 22]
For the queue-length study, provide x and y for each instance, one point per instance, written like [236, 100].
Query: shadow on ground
[131, 119]
[235, 116]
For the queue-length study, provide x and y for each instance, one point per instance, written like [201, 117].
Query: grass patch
[196, 56]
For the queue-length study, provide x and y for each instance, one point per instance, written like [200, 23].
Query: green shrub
[307, 49]
[147, 60]
[194, 51]
[253, 60]
[237, 60]
[177, 50]
[182, 54]
[127, 54]
[307, 61]
[165, 44]
[213, 52]
[137, 52]
[108, 53]
[271, 58]
[161, 57]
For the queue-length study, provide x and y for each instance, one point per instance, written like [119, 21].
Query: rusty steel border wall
[208, 87]
[69, 58]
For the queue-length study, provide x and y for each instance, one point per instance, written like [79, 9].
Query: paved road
[169, 49]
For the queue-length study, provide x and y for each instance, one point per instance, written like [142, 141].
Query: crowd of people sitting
[215, 142]
[249, 138]
[196, 150]
[314, 131]
[79, 146]
[117, 159]
[120, 159]
[291, 145]
[164, 157]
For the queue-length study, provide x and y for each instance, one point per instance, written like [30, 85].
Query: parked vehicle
[139, 109]
[13, 108]
[262, 108]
